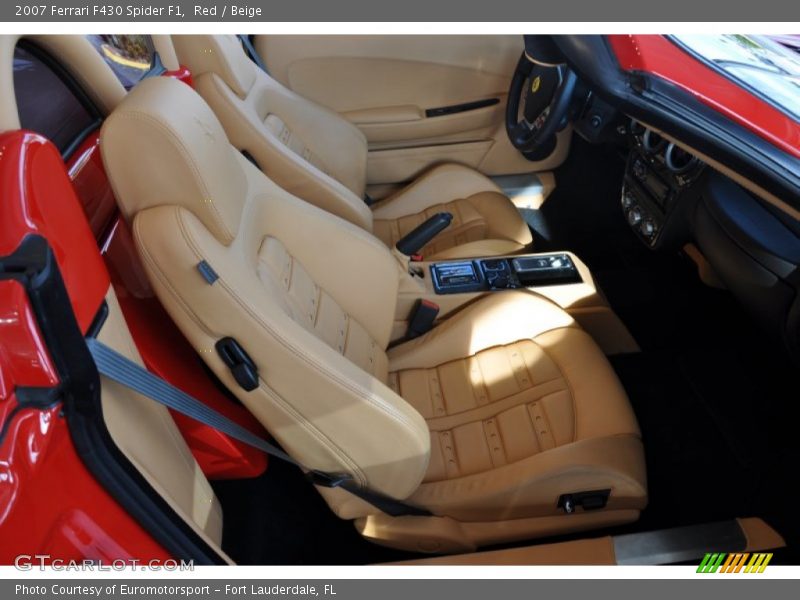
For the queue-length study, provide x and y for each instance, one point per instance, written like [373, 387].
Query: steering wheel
[539, 99]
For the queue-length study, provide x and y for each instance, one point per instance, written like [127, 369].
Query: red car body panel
[49, 502]
[657, 55]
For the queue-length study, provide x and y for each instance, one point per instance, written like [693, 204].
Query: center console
[560, 277]
[658, 187]
[490, 274]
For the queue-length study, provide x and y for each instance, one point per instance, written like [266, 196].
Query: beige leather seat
[320, 157]
[487, 420]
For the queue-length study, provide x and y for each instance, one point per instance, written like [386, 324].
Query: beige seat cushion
[487, 419]
[513, 390]
[321, 157]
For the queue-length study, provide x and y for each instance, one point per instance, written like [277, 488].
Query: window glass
[757, 62]
[45, 103]
[129, 56]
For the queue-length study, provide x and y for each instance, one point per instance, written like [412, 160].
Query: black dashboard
[660, 189]
[670, 198]
[750, 235]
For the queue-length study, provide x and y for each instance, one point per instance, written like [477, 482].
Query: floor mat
[280, 519]
[715, 396]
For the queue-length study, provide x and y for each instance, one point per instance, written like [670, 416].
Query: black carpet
[716, 397]
[280, 519]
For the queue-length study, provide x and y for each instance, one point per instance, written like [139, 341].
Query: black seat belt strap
[121, 369]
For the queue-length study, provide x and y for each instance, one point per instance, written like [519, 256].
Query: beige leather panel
[221, 54]
[149, 438]
[471, 223]
[311, 392]
[583, 301]
[312, 299]
[443, 535]
[77, 55]
[350, 72]
[405, 164]
[497, 319]
[312, 307]
[440, 184]
[484, 221]
[512, 404]
[490, 247]
[760, 536]
[369, 78]
[303, 147]
[166, 51]
[188, 136]
[469, 125]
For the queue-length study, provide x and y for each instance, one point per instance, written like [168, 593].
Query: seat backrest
[309, 296]
[305, 148]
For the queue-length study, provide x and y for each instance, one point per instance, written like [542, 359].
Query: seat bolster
[336, 141]
[324, 410]
[502, 218]
[601, 406]
[439, 185]
[246, 130]
[531, 487]
[182, 156]
[478, 249]
[222, 54]
[494, 320]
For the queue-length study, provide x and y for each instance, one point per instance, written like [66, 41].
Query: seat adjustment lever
[591, 500]
[242, 367]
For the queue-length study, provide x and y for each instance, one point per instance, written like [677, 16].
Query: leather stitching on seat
[284, 134]
[362, 393]
[571, 393]
[312, 307]
[302, 421]
[281, 403]
[328, 182]
[463, 229]
[180, 146]
[473, 405]
[156, 268]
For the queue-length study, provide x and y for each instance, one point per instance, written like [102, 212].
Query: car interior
[442, 269]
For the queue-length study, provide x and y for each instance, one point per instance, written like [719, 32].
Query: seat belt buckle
[328, 480]
[416, 258]
[422, 318]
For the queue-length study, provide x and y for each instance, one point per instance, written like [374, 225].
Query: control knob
[497, 280]
[648, 228]
[634, 216]
[639, 169]
[627, 200]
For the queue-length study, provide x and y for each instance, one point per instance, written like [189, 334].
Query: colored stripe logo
[721, 562]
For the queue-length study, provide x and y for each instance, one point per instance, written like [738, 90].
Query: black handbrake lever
[413, 242]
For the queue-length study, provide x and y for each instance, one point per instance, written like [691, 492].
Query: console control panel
[492, 274]
[658, 177]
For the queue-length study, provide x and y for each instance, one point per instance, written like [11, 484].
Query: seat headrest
[220, 54]
[164, 146]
